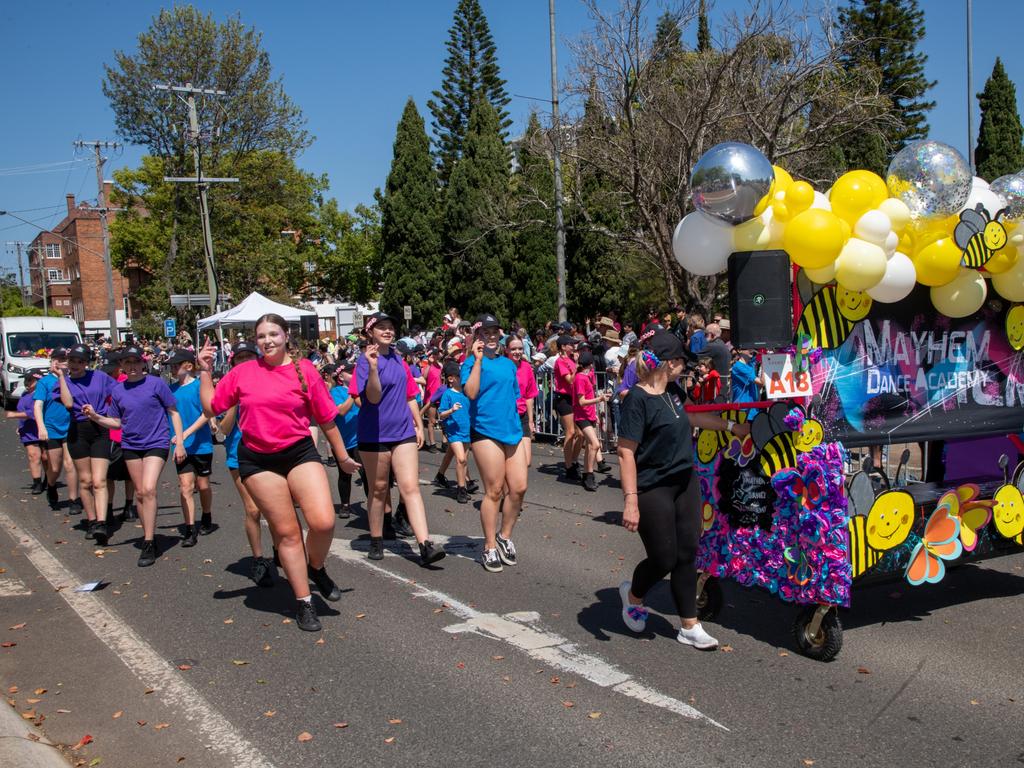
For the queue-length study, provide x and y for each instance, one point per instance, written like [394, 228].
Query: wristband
[729, 424]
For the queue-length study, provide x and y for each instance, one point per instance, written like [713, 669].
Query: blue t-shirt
[493, 413]
[348, 425]
[456, 426]
[56, 418]
[190, 408]
[231, 446]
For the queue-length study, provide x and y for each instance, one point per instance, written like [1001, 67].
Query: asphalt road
[188, 663]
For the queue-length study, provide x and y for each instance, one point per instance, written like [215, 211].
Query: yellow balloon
[855, 193]
[860, 265]
[938, 262]
[961, 297]
[800, 196]
[814, 238]
[1004, 260]
[783, 181]
[1010, 284]
[753, 235]
[764, 202]
[822, 276]
[780, 210]
[898, 213]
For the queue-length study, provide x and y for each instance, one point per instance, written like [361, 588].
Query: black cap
[59, 353]
[132, 350]
[245, 346]
[114, 356]
[403, 347]
[586, 358]
[330, 369]
[487, 320]
[181, 356]
[80, 351]
[451, 368]
[665, 345]
[347, 367]
[371, 320]
[563, 340]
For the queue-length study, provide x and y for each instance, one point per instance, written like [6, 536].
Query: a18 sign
[781, 381]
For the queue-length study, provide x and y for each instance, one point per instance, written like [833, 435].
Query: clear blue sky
[350, 66]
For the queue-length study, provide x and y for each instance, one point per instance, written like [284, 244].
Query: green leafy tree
[350, 262]
[12, 301]
[882, 36]
[470, 69]
[477, 244]
[534, 275]
[668, 40]
[414, 274]
[703, 29]
[999, 149]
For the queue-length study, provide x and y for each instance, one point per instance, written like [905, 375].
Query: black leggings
[670, 527]
[345, 479]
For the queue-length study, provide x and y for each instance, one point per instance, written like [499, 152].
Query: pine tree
[410, 241]
[477, 246]
[703, 30]
[999, 150]
[535, 298]
[668, 42]
[470, 68]
[883, 36]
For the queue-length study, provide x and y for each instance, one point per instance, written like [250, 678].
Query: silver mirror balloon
[932, 178]
[1011, 189]
[732, 182]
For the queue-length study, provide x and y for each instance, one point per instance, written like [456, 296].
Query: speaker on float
[310, 326]
[760, 299]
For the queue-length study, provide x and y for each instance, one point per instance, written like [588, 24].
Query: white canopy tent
[251, 309]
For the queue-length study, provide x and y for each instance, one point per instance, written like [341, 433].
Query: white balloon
[898, 213]
[873, 226]
[821, 201]
[979, 183]
[701, 244]
[993, 203]
[898, 281]
[892, 242]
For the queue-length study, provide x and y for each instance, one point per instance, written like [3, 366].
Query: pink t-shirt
[115, 434]
[433, 377]
[583, 386]
[276, 412]
[564, 367]
[527, 385]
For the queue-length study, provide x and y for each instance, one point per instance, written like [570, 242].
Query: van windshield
[38, 343]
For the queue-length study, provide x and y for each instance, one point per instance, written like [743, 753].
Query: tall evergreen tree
[470, 68]
[534, 275]
[999, 149]
[477, 245]
[410, 239]
[884, 36]
[703, 30]
[668, 41]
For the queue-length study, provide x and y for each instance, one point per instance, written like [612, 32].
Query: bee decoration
[831, 314]
[979, 236]
[775, 442]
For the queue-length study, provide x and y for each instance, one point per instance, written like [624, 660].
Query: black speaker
[760, 299]
[310, 326]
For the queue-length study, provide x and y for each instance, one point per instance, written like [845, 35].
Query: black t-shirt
[661, 429]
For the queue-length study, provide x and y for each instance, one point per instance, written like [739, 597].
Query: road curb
[17, 750]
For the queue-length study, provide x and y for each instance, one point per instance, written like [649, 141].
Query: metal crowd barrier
[546, 419]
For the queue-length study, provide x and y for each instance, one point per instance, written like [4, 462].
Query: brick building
[70, 258]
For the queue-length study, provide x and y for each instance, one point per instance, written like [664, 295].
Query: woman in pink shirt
[280, 396]
[432, 375]
[528, 392]
[565, 372]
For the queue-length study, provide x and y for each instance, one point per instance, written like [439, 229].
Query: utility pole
[40, 257]
[203, 184]
[21, 271]
[559, 221]
[970, 85]
[101, 206]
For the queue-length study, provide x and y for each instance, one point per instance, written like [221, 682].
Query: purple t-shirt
[27, 430]
[93, 388]
[390, 420]
[629, 377]
[142, 407]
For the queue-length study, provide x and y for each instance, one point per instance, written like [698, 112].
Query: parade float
[906, 308]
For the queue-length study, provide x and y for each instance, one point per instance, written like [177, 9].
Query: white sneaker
[697, 637]
[634, 616]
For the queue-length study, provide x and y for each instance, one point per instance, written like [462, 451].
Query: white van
[26, 344]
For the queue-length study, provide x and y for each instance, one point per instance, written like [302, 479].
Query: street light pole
[970, 85]
[559, 221]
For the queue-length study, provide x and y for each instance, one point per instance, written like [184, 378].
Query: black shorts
[130, 454]
[87, 440]
[524, 423]
[38, 443]
[476, 437]
[563, 404]
[201, 464]
[381, 447]
[582, 424]
[118, 470]
[280, 462]
[54, 443]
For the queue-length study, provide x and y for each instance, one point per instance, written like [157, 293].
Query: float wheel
[824, 643]
[710, 599]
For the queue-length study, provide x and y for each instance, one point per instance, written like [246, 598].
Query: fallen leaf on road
[13, 689]
[461, 665]
[117, 714]
[389, 740]
[229, 621]
[305, 736]
[140, 723]
[270, 713]
[497, 658]
[360, 615]
[184, 667]
[207, 560]
[239, 662]
[726, 649]
[180, 760]
[321, 641]
[439, 610]
[19, 626]
[783, 653]
[87, 739]
[148, 691]
[95, 761]
[261, 682]
[161, 726]
[568, 704]
[32, 701]
[7, 645]
[975, 702]
[39, 691]
[808, 761]
[30, 715]
[863, 671]
[556, 680]
[341, 725]
[63, 711]
[395, 721]
[33, 736]
[266, 647]
[570, 685]
[286, 621]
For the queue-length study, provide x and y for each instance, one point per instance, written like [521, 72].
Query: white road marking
[11, 587]
[520, 631]
[139, 656]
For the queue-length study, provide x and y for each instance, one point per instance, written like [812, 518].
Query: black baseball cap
[451, 368]
[80, 351]
[376, 317]
[58, 354]
[487, 320]
[665, 345]
[181, 356]
[330, 369]
[132, 350]
[245, 346]
[586, 358]
[563, 340]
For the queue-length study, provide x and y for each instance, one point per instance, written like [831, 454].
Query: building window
[54, 274]
[53, 250]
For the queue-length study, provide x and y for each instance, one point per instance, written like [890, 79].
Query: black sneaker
[471, 486]
[506, 550]
[38, 486]
[389, 527]
[130, 511]
[376, 549]
[262, 572]
[490, 561]
[462, 495]
[52, 498]
[324, 583]
[148, 554]
[589, 483]
[75, 507]
[191, 536]
[603, 467]
[430, 553]
[101, 532]
[402, 528]
[441, 481]
[331, 461]
[572, 473]
[344, 511]
[305, 616]
[90, 529]
[206, 525]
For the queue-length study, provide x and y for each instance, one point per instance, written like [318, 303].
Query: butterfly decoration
[711, 441]
[798, 570]
[741, 450]
[975, 513]
[941, 541]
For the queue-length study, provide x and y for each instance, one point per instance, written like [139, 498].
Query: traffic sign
[407, 312]
[170, 327]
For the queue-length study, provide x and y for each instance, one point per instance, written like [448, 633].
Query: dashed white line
[521, 631]
[139, 656]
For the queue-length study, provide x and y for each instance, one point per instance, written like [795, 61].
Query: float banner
[907, 373]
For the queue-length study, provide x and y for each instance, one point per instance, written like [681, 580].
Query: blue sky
[350, 66]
